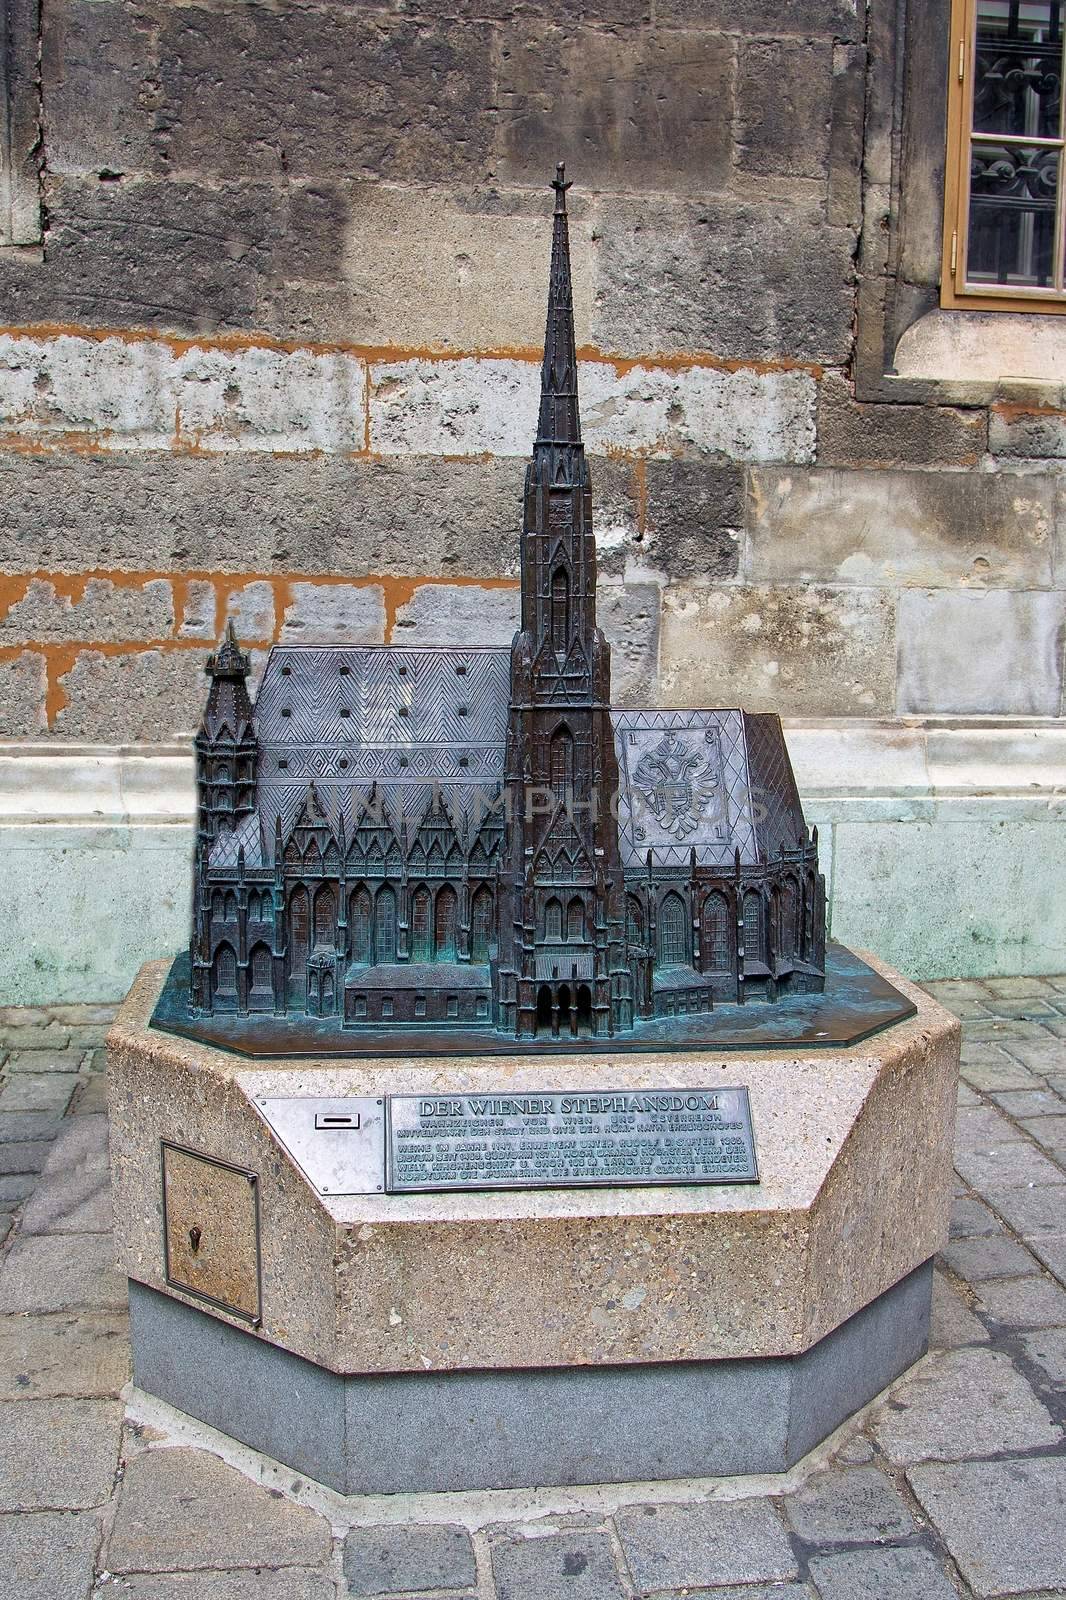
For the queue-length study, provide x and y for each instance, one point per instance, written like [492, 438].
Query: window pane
[1012, 216]
[1018, 82]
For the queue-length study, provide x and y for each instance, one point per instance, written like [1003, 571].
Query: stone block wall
[274, 357]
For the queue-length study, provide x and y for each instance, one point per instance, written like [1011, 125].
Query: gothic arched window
[262, 971]
[553, 919]
[445, 922]
[325, 916]
[753, 926]
[481, 924]
[575, 919]
[634, 920]
[560, 607]
[385, 925]
[715, 934]
[421, 925]
[673, 946]
[225, 972]
[299, 931]
[359, 921]
[561, 761]
[788, 939]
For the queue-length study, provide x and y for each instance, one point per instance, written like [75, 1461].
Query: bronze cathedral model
[473, 838]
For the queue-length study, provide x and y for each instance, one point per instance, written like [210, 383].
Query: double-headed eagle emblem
[675, 786]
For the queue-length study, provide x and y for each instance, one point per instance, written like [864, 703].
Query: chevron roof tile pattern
[381, 730]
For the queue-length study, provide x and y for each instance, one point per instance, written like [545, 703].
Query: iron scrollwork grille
[1005, 229]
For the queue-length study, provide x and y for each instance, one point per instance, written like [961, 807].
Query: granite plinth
[404, 1433]
[625, 1294]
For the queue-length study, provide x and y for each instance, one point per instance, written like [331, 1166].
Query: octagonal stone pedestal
[414, 1342]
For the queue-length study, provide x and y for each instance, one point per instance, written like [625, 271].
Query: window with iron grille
[1004, 213]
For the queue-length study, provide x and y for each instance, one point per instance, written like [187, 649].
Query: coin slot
[335, 1119]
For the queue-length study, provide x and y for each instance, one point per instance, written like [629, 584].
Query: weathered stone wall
[275, 357]
[277, 360]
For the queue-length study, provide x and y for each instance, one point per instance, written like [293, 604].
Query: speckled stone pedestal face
[520, 1326]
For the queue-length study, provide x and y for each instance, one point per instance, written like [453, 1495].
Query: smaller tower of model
[226, 772]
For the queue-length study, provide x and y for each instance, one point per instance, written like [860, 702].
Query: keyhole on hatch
[194, 1239]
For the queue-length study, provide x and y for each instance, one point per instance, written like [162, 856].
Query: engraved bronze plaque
[211, 1231]
[570, 1139]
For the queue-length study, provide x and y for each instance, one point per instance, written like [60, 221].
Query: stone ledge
[975, 806]
[984, 348]
[837, 760]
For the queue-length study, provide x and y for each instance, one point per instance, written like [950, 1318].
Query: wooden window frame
[955, 293]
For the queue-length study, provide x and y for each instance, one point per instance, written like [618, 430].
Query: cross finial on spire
[560, 185]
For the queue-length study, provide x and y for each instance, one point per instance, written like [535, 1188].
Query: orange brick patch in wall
[60, 655]
[672, 361]
[62, 392]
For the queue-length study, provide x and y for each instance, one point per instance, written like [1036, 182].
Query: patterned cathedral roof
[388, 731]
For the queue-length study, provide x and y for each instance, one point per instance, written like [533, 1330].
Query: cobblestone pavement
[953, 1484]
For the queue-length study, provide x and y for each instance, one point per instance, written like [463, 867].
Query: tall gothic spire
[559, 422]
